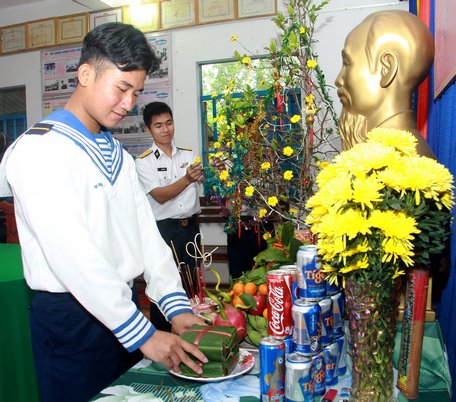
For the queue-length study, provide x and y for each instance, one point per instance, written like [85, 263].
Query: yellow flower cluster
[363, 212]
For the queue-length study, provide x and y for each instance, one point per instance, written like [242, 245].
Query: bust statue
[385, 58]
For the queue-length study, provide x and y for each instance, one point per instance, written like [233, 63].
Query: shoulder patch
[144, 154]
[39, 129]
[184, 149]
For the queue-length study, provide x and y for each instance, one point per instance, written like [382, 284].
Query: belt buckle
[184, 222]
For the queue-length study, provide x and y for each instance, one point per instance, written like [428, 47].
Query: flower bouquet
[380, 210]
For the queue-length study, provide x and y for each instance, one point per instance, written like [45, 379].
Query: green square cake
[219, 344]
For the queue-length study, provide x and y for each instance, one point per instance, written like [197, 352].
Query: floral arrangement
[271, 145]
[380, 209]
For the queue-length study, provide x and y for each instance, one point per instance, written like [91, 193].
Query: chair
[11, 228]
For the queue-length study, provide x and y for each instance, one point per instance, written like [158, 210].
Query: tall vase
[371, 309]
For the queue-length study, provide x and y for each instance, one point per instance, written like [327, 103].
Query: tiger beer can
[332, 355]
[299, 382]
[342, 366]
[319, 374]
[326, 305]
[332, 289]
[293, 270]
[311, 279]
[338, 314]
[272, 369]
[289, 345]
[307, 327]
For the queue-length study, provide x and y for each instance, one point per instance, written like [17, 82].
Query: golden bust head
[384, 59]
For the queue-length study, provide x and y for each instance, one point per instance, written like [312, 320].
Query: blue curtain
[442, 139]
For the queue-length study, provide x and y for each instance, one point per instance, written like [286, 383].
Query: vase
[371, 310]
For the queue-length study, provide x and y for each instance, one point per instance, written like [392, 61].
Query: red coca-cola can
[280, 323]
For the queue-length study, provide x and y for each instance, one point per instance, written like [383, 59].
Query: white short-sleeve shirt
[156, 169]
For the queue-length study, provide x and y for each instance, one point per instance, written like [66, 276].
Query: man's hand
[184, 321]
[171, 350]
[194, 172]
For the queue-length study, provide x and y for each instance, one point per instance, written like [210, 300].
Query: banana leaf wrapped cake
[220, 344]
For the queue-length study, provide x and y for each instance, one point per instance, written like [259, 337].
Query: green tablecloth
[17, 372]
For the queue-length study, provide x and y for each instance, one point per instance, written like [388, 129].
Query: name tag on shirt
[162, 169]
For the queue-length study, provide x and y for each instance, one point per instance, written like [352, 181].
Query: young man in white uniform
[169, 177]
[86, 231]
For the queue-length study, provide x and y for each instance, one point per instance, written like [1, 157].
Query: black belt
[183, 222]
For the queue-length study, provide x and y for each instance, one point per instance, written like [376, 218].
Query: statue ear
[389, 65]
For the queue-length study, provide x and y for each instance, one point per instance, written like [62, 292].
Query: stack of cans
[305, 318]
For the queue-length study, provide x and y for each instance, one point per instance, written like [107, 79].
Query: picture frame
[215, 10]
[177, 13]
[13, 39]
[144, 16]
[71, 29]
[256, 8]
[104, 16]
[40, 33]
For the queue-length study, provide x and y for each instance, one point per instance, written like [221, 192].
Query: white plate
[245, 364]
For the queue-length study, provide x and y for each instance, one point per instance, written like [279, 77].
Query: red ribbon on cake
[204, 332]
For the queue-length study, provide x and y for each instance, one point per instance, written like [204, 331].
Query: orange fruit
[236, 300]
[238, 288]
[263, 289]
[265, 313]
[250, 288]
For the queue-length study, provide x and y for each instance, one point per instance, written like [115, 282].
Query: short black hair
[121, 44]
[155, 109]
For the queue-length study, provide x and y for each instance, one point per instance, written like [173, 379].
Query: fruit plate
[245, 363]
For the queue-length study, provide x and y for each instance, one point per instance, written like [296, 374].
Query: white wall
[191, 46]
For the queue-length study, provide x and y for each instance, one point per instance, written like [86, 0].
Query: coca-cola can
[280, 323]
[293, 269]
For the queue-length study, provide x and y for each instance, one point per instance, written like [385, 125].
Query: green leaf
[248, 300]
[271, 254]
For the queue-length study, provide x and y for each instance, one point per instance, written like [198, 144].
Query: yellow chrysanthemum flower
[367, 191]
[288, 175]
[233, 38]
[249, 190]
[288, 151]
[296, 118]
[273, 201]
[311, 64]
[403, 141]
[262, 213]
[265, 165]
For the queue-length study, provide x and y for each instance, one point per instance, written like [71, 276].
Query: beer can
[272, 369]
[299, 383]
[332, 289]
[332, 355]
[293, 269]
[319, 374]
[326, 305]
[280, 324]
[311, 279]
[307, 327]
[338, 314]
[342, 366]
[289, 345]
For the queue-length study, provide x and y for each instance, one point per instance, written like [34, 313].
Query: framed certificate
[253, 8]
[215, 10]
[71, 29]
[40, 33]
[104, 16]
[143, 16]
[177, 13]
[13, 39]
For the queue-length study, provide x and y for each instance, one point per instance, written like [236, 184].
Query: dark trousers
[179, 232]
[244, 246]
[75, 355]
